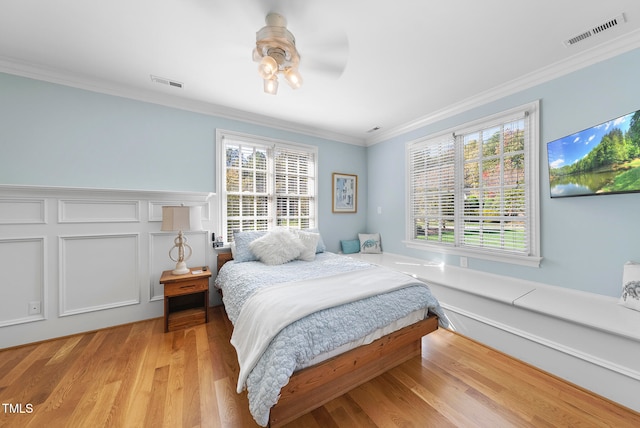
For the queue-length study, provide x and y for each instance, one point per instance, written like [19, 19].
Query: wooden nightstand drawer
[186, 287]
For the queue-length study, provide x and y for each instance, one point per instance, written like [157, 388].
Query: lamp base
[181, 269]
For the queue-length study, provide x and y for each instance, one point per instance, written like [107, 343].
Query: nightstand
[186, 299]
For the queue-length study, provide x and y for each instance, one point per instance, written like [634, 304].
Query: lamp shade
[293, 77]
[271, 86]
[181, 218]
[268, 67]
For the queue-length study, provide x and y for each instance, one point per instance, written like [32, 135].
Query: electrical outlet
[464, 262]
[34, 308]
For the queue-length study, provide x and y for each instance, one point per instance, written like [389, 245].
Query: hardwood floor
[137, 376]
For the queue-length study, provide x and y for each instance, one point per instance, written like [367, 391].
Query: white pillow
[631, 286]
[309, 241]
[370, 243]
[277, 247]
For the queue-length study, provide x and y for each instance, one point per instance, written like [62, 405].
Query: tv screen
[600, 160]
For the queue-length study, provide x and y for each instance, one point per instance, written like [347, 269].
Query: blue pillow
[350, 246]
[242, 240]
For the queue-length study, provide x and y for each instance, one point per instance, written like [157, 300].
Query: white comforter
[271, 309]
[318, 333]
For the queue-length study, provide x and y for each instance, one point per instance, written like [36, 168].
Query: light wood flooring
[137, 376]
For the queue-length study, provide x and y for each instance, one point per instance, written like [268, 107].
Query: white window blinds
[267, 184]
[476, 189]
[432, 190]
[247, 187]
[294, 187]
[494, 211]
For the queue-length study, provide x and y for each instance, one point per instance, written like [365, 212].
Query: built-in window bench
[586, 338]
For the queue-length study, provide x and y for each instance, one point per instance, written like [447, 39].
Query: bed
[317, 325]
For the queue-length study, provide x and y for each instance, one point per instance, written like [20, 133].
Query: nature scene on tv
[598, 160]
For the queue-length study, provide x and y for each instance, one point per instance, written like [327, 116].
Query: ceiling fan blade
[327, 55]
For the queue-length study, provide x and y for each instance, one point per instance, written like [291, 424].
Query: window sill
[531, 261]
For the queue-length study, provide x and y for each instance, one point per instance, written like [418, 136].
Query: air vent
[164, 81]
[610, 24]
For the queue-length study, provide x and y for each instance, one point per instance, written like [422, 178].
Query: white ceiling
[408, 62]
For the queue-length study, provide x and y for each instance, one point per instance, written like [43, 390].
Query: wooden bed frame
[314, 386]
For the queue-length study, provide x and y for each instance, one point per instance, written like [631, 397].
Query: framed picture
[345, 193]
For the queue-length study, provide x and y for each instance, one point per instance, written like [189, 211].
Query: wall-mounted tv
[600, 160]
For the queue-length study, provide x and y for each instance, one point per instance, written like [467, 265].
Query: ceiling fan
[277, 54]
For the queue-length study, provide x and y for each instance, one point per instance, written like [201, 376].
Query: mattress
[322, 334]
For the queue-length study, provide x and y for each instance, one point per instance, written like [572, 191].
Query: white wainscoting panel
[22, 263]
[92, 258]
[98, 211]
[98, 272]
[155, 209]
[22, 211]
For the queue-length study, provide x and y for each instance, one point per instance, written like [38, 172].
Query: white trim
[88, 83]
[155, 209]
[550, 327]
[573, 63]
[267, 143]
[124, 303]
[63, 263]
[537, 77]
[496, 256]
[62, 192]
[532, 170]
[42, 316]
[551, 344]
[65, 204]
[40, 219]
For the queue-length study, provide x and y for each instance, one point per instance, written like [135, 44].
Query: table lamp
[181, 219]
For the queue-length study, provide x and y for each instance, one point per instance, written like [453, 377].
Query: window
[474, 191]
[265, 183]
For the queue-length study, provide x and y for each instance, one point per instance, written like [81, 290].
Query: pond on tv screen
[598, 160]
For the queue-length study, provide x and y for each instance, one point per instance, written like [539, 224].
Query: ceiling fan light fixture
[276, 52]
[268, 67]
[256, 55]
[293, 77]
[271, 85]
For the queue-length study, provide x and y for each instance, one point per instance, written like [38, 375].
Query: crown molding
[100, 193]
[573, 63]
[581, 60]
[79, 81]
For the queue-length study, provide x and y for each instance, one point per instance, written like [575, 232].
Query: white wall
[90, 258]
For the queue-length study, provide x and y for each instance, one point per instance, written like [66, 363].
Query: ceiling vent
[164, 81]
[608, 25]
